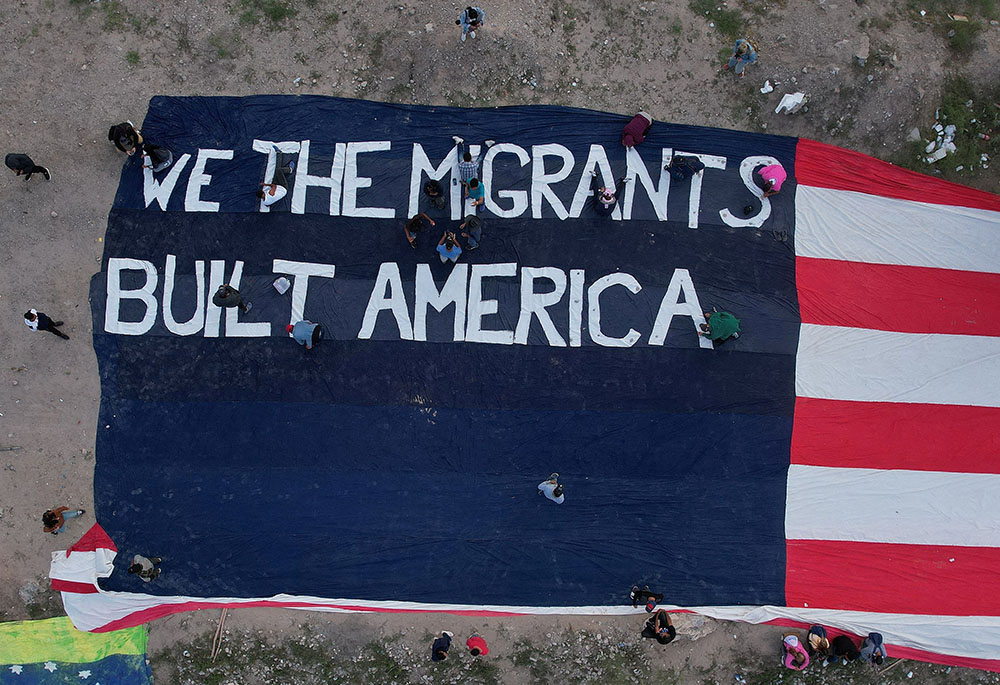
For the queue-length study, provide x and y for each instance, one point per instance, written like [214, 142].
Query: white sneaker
[463, 37]
[448, 633]
[472, 33]
[458, 141]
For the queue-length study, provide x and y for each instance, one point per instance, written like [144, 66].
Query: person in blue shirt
[472, 18]
[305, 332]
[744, 53]
[476, 192]
[448, 247]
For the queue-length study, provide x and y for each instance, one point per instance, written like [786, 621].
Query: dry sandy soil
[73, 67]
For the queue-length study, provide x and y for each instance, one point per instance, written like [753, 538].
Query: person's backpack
[682, 168]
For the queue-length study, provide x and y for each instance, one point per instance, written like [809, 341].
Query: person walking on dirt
[22, 165]
[38, 321]
[471, 20]
[54, 520]
[744, 53]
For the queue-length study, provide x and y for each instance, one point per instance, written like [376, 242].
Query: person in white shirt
[551, 489]
[270, 193]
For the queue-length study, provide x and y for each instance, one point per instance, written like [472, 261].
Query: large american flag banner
[837, 463]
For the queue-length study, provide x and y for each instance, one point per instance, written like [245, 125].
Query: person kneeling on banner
[873, 650]
[720, 326]
[145, 568]
[635, 130]
[683, 167]
[305, 332]
[817, 643]
[605, 198]
[843, 649]
[794, 655]
[448, 247]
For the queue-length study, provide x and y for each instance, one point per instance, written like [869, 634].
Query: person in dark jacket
[660, 627]
[433, 190]
[22, 165]
[155, 157]
[605, 199]
[37, 321]
[439, 650]
[228, 296]
[635, 131]
[126, 137]
[843, 649]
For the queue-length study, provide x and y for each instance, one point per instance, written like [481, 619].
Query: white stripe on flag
[901, 507]
[864, 365]
[855, 227]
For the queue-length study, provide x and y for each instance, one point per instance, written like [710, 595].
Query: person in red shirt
[635, 131]
[477, 645]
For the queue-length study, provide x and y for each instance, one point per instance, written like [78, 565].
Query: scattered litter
[282, 285]
[952, 560]
[958, 17]
[923, 13]
[767, 87]
[791, 103]
[910, 674]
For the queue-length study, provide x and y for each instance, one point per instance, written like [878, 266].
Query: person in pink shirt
[772, 176]
[795, 655]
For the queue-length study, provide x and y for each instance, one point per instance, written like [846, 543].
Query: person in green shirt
[720, 327]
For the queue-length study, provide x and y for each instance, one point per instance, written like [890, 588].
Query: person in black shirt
[439, 650]
[22, 165]
[414, 226]
[659, 626]
[843, 649]
[155, 157]
[125, 137]
[228, 296]
[37, 321]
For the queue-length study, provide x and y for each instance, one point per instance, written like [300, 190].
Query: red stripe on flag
[890, 435]
[889, 578]
[907, 299]
[827, 166]
[74, 587]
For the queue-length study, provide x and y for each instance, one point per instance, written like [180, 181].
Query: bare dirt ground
[73, 67]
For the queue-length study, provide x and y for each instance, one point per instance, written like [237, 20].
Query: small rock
[429, 27]
[862, 48]
[53, 214]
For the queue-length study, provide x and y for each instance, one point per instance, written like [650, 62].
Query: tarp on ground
[840, 457]
[52, 651]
